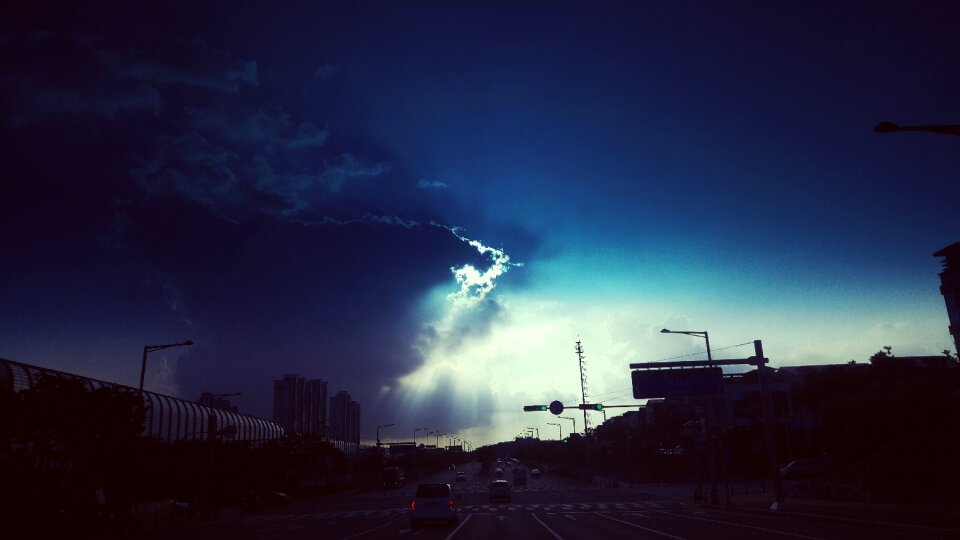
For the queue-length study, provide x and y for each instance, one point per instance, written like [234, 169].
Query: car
[251, 502]
[498, 472]
[453, 467]
[275, 499]
[803, 468]
[461, 476]
[393, 477]
[500, 491]
[535, 473]
[434, 503]
[520, 476]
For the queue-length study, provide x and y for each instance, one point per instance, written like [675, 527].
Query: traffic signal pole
[767, 403]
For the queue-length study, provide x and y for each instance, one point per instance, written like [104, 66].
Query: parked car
[273, 499]
[251, 502]
[433, 503]
[535, 473]
[461, 476]
[803, 468]
[498, 472]
[500, 491]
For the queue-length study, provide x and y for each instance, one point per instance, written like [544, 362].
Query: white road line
[641, 527]
[764, 529]
[746, 511]
[391, 522]
[545, 526]
[455, 531]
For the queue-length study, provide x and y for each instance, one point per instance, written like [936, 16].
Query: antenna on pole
[583, 385]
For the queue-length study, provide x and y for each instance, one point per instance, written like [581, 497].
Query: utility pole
[583, 385]
[767, 404]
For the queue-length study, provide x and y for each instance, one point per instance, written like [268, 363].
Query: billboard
[663, 383]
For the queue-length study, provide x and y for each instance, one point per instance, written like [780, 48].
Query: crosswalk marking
[630, 508]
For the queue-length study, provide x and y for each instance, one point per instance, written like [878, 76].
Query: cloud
[185, 198]
[474, 284]
[431, 184]
[347, 167]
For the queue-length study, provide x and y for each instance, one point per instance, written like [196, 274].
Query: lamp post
[438, 438]
[572, 419]
[149, 349]
[558, 427]
[890, 127]
[711, 444]
[378, 433]
[415, 435]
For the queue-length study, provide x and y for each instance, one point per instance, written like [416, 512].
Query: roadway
[549, 508]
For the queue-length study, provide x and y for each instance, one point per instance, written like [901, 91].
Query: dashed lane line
[641, 527]
[455, 531]
[547, 527]
[750, 511]
[754, 527]
[377, 528]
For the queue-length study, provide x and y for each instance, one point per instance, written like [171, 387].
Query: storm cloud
[172, 179]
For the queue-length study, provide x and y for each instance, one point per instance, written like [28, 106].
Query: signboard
[663, 383]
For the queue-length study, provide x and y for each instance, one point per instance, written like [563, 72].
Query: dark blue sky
[294, 188]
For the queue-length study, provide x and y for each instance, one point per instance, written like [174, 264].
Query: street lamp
[415, 435]
[711, 444]
[890, 127]
[149, 349]
[572, 419]
[558, 427]
[378, 433]
[438, 438]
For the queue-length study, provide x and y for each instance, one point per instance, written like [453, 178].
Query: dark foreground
[555, 508]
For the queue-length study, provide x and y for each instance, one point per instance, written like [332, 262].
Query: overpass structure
[168, 419]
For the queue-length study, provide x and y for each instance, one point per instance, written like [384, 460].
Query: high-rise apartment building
[300, 405]
[950, 288]
[344, 418]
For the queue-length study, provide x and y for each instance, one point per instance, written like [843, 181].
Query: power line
[704, 351]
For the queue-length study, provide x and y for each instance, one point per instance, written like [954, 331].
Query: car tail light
[413, 504]
[451, 504]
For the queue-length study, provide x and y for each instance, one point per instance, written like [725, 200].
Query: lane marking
[545, 526]
[753, 512]
[764, 529]
[391, 522]
[455, 531]
[641, 527]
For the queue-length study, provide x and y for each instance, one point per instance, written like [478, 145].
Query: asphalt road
[550, 508]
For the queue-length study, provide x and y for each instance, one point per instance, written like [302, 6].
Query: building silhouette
[300, 405]
[950, 288]
[344, 418]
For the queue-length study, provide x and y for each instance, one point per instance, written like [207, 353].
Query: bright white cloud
[474, 284]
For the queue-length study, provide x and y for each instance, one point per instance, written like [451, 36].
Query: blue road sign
[662, 383]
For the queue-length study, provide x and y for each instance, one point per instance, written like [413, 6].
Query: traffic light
[591, 406]
[537, 408]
